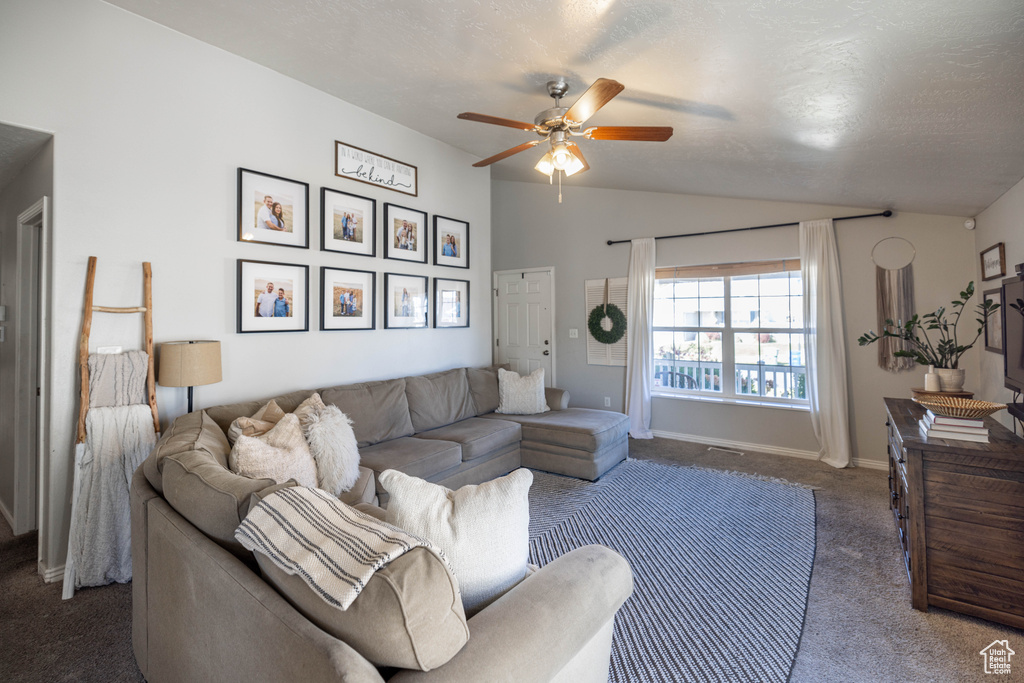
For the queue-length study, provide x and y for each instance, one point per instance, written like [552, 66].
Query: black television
[1013, 335]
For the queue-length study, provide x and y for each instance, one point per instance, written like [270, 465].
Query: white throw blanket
[117, 441]
[334, 548]
[118, 379]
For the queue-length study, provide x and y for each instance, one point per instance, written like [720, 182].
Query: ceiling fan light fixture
[561, 157]
[574, 166]
[545, 165]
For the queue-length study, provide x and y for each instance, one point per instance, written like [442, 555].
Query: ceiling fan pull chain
[559, 187]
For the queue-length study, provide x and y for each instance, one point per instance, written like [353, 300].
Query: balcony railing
[752, 379]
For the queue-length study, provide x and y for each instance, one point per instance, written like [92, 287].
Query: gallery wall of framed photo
[351, 294]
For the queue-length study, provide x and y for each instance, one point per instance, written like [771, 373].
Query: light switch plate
[574, 333]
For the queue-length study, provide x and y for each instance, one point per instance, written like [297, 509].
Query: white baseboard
[51, 574]
[762, 448]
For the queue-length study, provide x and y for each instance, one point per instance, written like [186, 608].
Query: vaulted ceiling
[916, 105]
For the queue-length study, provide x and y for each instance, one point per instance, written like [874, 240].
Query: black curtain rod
[885, 213]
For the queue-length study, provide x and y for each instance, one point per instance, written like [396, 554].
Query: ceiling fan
[559, 125]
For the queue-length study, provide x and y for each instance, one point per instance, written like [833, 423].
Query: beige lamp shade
[189, 363]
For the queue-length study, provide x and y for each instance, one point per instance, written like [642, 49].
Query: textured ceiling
[916, 105]
[17, 147]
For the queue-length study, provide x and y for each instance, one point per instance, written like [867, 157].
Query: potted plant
[942, 349]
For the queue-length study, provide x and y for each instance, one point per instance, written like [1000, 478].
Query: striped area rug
[721, 566]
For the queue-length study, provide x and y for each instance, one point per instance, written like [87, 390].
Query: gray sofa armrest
[558, 399]
[536, 631]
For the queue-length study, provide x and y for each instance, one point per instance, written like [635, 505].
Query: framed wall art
[348, 299]
[405, 234]
[348, 223]
[405, 301]
[371, 168]
[993, 262]
[451, 303]
[272, 210]
[272, 297]
[451, 242]
[994, 329]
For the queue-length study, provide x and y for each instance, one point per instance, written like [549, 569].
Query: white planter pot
[951, 380]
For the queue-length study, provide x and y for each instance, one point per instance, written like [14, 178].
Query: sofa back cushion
[439, 399]
[192, 432]
[379, 410]
[483, 386]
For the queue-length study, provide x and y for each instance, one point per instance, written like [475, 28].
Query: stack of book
[959, 428]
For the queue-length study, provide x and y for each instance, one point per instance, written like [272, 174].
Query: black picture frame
[451, 313]
[393, 237]
[459, 231]
[251, 274]
[993, 262]
[256, 183]
[330, 201]
[396, 314]
[994, 328]
[366, 280]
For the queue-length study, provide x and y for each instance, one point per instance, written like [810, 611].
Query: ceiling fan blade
[575, 149]
[636, 133]
[507, 153]
[497, 121]
[597, 95]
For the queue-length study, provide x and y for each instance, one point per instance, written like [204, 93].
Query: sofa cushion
[483, 387]
[280, 454]
[482, 529]
[478, 437]
[192, 432]
[207, 494]
[415, 457]
[439, 399]
[226, 414]
[582, 428]
[408, 615]
[379, 410]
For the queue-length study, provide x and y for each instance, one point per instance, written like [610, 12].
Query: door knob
[545, 342]
[546, 352]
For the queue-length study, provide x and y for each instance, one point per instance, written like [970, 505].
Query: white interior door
[524, 321]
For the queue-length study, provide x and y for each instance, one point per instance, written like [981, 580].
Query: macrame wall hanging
[894, 289]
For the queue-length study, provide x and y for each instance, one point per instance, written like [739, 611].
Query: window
[732, 331]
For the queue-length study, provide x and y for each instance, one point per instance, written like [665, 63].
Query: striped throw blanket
[334, 548]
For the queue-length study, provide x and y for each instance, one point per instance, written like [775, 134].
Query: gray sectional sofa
[202, 610]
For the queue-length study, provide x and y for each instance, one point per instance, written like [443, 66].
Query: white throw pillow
[261, 422]
[333, 445]
[483, 529]
[521, 395]
[280, 454]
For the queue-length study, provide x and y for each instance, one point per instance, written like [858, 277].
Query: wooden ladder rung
[112, 309]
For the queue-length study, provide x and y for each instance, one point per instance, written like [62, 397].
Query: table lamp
[189, 364]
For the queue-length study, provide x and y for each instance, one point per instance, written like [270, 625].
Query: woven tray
[960, 407]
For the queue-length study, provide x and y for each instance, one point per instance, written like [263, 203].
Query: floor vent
[716, 449]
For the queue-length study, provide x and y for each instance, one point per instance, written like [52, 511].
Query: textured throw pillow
[483, 530]
[308, 408]
[333, 445]
[260, 423]
[521, 395]
[280, 454]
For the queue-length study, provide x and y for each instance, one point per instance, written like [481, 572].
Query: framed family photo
[405, 301]
[451, 242]
[272, 210]
[272, 297]
[405, 234]
[994, 329]
[349, 223]
[993, 262]
[451, 303]
[348, 299]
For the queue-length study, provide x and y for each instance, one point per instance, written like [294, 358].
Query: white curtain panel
[825, 341]
[639, 342]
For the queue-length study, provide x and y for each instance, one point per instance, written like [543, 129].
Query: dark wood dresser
[959, 510]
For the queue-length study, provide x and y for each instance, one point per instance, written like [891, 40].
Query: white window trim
[728, 363]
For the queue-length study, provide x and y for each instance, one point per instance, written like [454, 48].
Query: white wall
[150, 127]
[1001, 222]
[532, 229]
[33, 182]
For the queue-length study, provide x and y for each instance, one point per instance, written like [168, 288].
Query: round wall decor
[597, 316]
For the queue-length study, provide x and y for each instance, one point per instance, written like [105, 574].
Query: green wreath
[618, 319]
